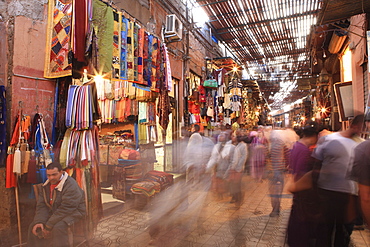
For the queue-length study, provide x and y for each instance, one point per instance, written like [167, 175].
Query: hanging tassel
[25, 157]
[17, 162]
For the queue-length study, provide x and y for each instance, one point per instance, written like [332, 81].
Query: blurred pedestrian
[335, 189]
[235, 170]
[361, 174]
[220, 160]
[303, 222]
[280, 146]
[258, 149]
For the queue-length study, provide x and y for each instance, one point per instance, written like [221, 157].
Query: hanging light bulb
[324, 54]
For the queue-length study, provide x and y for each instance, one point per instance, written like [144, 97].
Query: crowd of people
[327, 173]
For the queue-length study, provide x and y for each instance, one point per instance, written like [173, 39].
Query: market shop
[109, 110]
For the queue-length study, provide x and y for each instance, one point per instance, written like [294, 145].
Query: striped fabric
[79, 110]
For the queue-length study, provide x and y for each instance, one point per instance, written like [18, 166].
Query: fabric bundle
[79, 110]
[79, 149]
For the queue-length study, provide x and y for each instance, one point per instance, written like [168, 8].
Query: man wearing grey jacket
[61, 203]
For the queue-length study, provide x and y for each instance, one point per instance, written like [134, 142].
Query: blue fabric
[145, 88]
[70, 99]
[38, 145]
[123, 73]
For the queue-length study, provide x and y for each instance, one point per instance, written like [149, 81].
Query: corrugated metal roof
[270, 39]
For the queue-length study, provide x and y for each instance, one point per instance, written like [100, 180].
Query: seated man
[61, 203]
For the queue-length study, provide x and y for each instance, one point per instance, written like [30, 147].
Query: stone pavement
[219, 224]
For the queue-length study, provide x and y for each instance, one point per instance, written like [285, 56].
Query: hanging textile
[154, 67]
[2, 126]
[151, 112]
[82, 157]
[130, 52]
[124, 32]
[136, 50]
[143, 132]
[116, 44]
[11, 179]
[58, 39]
[79, 29]
[79, 113]
[118, 89]
[163, 109]
[140, 63]
[103, 26]
[168, 74]
[142, 118]
[147, 59]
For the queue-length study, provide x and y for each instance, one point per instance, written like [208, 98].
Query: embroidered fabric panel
[58, 42]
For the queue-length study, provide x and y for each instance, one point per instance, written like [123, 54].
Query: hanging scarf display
[80, 154]
[79, 111]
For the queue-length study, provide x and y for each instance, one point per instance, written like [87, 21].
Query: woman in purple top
[301, 226]
[258, 159]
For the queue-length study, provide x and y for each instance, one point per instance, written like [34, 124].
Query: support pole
[18, 212]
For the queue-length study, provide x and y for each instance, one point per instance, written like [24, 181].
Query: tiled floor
[215, 223]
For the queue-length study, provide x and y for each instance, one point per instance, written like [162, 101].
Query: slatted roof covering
[269, 37]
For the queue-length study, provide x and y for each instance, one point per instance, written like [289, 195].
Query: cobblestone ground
[220, 223]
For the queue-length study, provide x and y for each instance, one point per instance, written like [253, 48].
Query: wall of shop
[136, 8]
[358, 48]
[3, 55]
[30, 91]
[23, 24]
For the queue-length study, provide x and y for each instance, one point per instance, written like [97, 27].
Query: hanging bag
[210, 83]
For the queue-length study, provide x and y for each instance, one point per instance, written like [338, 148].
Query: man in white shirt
[334, 187]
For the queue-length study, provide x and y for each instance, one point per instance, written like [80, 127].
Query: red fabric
[52, 187]
[15, 136]
[79, 176]
[129, 154]
[31, 175]
[202, 90]
[11, 180]
[80, 30]
[202, 98]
